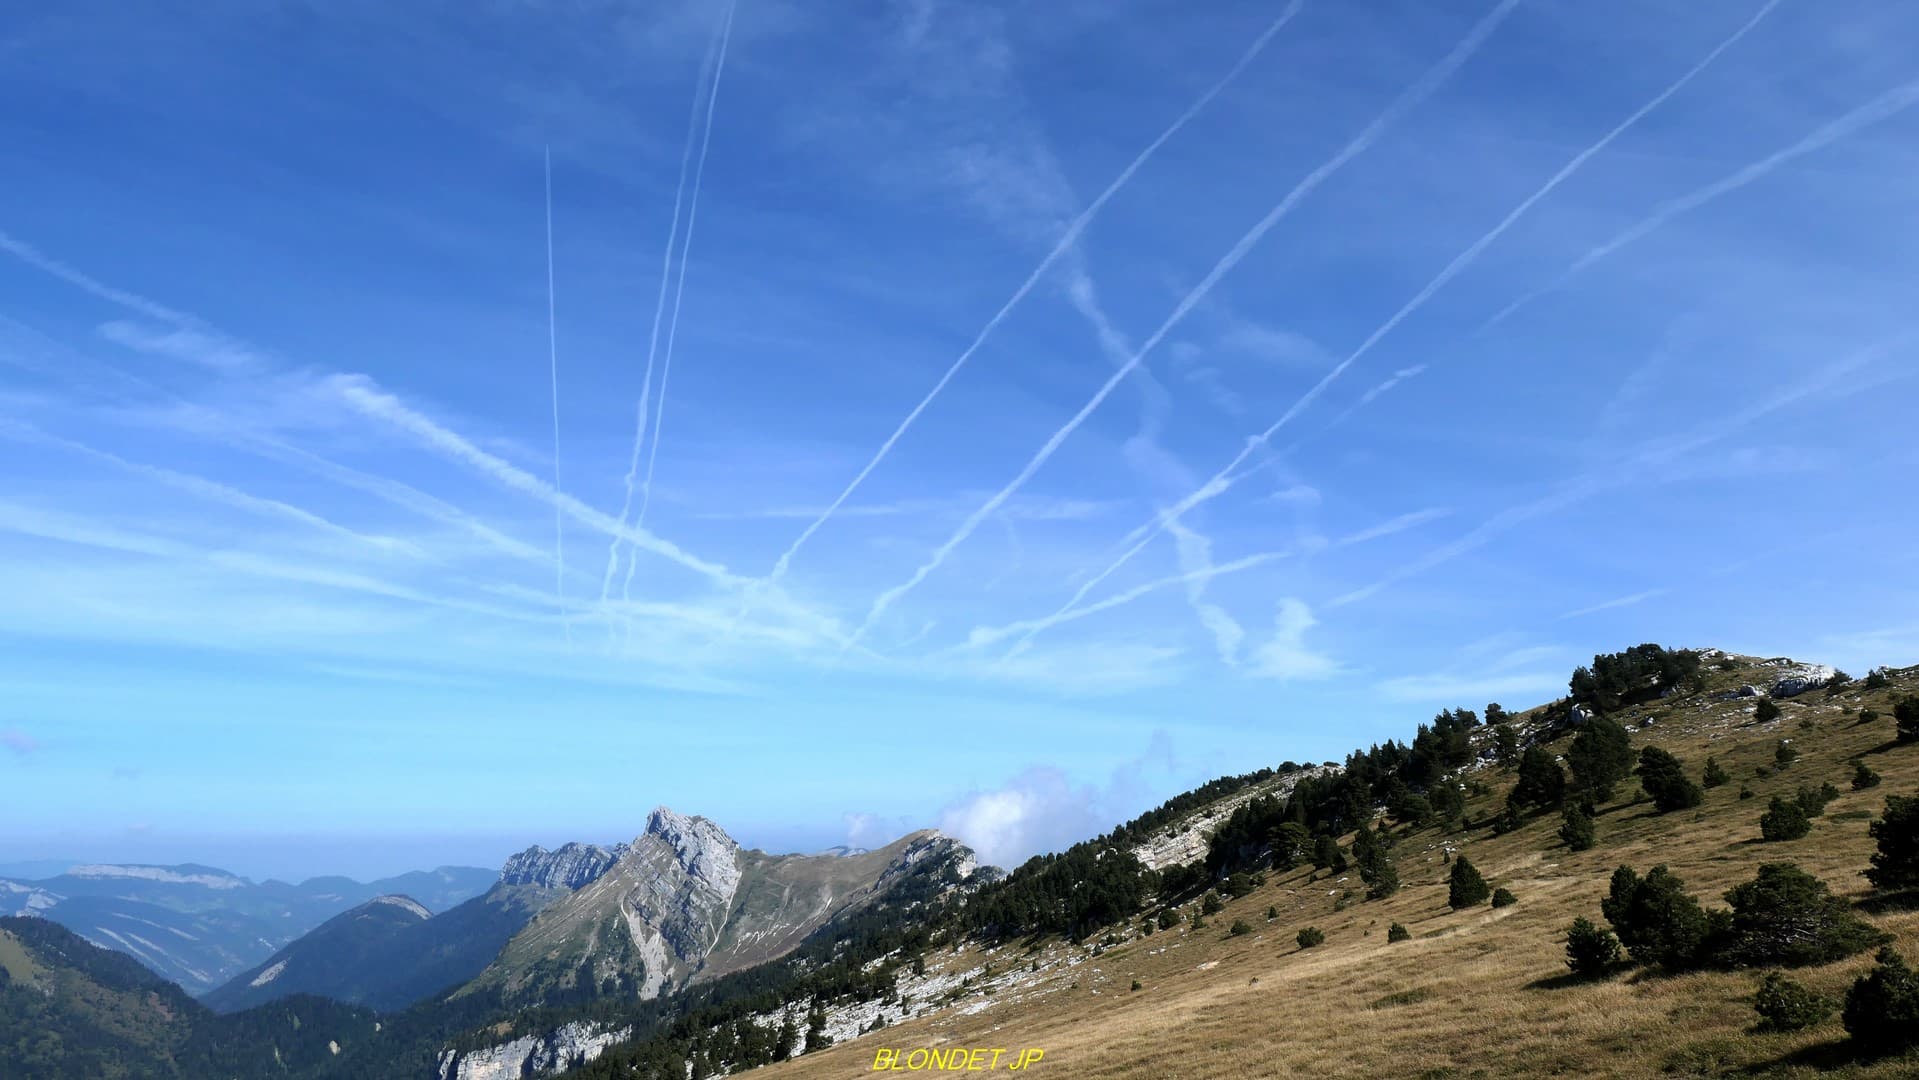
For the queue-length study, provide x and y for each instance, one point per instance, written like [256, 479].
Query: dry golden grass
[1479, 993]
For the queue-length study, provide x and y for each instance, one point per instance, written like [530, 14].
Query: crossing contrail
[1880, 108]
[653, 338]
[679, 288]
[553, 357]
[1224, 479]
[1065, 243]
[1408, 99]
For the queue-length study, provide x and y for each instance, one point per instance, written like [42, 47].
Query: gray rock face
[1796, 678]
[569, 867]
[531, 1055]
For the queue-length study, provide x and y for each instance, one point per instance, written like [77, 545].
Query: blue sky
[1046, 406]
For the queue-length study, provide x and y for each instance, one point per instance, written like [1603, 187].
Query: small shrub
[1784, 820]
[1745, 792]
[1272, 912]
[1311, 937]
[1138, 986]
[1875, 679]
[1396, 932]
[1863, 777]
[1146, 927]
[1882, 1008]
[1168, 918]
[1590, 951]
[1784, 754]
[1210, 904]
[1766, 710]
[1784, 1005]
[1503, 897]
[1868, 716]
[1240, 928]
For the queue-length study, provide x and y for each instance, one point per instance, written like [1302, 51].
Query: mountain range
[198, 926]
[1404, 912]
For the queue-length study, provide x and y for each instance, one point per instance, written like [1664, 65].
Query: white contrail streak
[1224, 479]
[553, 356]
[1411, 97]
[679, 288]
[1066, 241]
[644, 410]
[1656, 454]
[1030, 628]
[211, 490]
[1883, 107]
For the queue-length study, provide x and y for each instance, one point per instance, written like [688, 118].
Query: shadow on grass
[1825, 1056]
[1889, 744]
[1566, 980]
[1889, 903]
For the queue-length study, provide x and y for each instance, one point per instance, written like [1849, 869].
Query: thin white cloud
[1453, 689]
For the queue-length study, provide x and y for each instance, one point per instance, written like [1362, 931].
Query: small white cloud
[1285, 655]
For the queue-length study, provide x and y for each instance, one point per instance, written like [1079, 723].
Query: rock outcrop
[568, 867]
[1793, 677]
[531, 1055]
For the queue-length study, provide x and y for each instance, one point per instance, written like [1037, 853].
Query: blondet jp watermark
[956, 1059]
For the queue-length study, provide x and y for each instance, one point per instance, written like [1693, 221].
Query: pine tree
[1600, 757]
[816, 1036]
[786, 1041]
[1590, 951]
[1784, 754]
[1327, 855]
[1397, 932]
[1467, 888]
[1541, 783]
[1766, 710]
[1715, 776]
[1906, 714]
[1784, 819]
[1665, 780]
[1375, 865]
[1863, 777]
[1576, 828]
[1505, 744]
[1896, 864]
[1882, 1008]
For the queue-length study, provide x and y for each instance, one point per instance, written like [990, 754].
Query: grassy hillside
[1482, 992]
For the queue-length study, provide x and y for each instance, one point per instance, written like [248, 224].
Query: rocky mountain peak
[569, 866]
[701, 847]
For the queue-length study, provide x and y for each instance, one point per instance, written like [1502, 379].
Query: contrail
[1029, 628]
[653, 339]
[984, 636]
[553, 356]
[371, 400]
[679, 287]
[1066, 241]
[1619, 473]
[1412, 96]
[211, 490]
[1224, 479]
[1880, 108]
